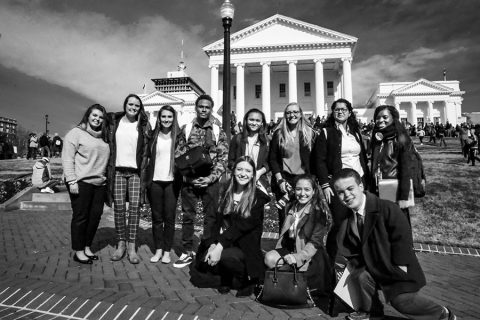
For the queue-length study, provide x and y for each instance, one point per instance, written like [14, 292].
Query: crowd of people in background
[326, 176]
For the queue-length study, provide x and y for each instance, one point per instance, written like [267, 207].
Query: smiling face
[254, 121]
[204, 109]
[384, 119]
[341, 112]
[293, 114]
[132, 107]
[243, 173]
[350, 192]
[95, 119]
[166, 119]
[304, 191]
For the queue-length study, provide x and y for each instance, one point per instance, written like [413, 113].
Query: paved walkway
[39, 280]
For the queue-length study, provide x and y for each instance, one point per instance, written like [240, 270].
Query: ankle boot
[120, 252]
[132, 254]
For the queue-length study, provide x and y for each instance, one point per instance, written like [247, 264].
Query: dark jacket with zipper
[143, 129]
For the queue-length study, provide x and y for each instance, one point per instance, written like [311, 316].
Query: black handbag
[285, 288]
[196, 162]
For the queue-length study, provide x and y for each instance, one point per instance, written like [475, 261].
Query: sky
[58, 57]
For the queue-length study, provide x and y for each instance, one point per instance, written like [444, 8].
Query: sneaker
[49, 190]
[358, 315]
[184, 260]
[451, 316]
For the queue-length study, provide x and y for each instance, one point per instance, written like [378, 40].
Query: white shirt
[126, 139]
[163, 166]
[350, 153]
[252, 148]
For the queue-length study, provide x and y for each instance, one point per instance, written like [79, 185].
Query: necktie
[360, 224]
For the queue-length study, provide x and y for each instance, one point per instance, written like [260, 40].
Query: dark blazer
[237, 149]
[141, 155]
[276, 153]
[327, 155]
[244, 233]
[386, 244]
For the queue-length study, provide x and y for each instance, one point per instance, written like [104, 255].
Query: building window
[330, 88]
[234, 92]
[306, 88]
[258, 91]
[282, 92]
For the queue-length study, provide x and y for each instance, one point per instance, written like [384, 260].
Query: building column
[319, 88]
[413, 113]
[240, 91]
[445, 114]
[266, 90]
[292, 81]
[430, 111]
[347, 79]
[397, 106]
[214, 83]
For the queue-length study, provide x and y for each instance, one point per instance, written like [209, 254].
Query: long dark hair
[174, 132]
[245, 204]
[142, 115]
[263, 128]
[104, 125]
[352, 122]
[318, 199]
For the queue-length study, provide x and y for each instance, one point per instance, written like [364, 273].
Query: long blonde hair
[245, 204]
[302, 126]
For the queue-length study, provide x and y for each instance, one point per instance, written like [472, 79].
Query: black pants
[232, 264]
[471, 155]
[163, 201]
[87, 208]
[190, 197]
[32, 153]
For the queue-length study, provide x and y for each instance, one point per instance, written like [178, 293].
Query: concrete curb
[15, 198]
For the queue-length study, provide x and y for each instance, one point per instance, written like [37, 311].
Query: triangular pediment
[281, 31]
[422, 86]
[160, 98]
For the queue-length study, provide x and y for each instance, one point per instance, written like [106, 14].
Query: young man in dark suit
[377, 242]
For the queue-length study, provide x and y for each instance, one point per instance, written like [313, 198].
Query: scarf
[385, 133]
[93, 133]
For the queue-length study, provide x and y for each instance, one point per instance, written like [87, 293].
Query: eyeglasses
[341, 110]
[295, 112]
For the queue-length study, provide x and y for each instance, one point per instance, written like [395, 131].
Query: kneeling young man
[377, 242]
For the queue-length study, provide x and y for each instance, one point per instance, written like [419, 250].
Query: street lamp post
[226, 10]
[46, 124]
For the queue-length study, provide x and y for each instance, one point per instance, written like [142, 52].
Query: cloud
[367, 74]
[93, 54]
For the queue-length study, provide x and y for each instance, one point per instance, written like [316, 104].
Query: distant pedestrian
[421, 134]
[441, 135]
[44, 146]
[472, 146]
[57, 144]
[32, 146]
[84, 159]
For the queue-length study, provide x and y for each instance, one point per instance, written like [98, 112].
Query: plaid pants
[126, 182]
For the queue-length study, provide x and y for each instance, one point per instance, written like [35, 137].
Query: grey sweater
[85, 157]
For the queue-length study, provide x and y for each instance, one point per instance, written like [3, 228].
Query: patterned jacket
[203, 136]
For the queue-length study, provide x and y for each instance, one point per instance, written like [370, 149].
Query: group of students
[112, 157]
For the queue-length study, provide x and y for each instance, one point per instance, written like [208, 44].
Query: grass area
[450, 212]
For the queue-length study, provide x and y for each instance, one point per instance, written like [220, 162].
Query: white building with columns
[420, 102]
[281, 60]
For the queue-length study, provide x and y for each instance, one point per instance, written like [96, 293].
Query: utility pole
[46, 124]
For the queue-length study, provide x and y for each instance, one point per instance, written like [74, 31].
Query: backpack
[417, 172]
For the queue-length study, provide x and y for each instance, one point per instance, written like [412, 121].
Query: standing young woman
[391, 145]
[252, 141]
[290, 152]
[339, 146]
[301, 241]
[163, 182]
[232, 235]
[129, 132]
[84, 159]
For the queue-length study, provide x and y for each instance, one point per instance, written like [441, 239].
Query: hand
[258, 175]
[328, 192]
[283, 187]
[403, 204]
[73, 188]
[290, 259]
[403, 268]
[201, 182]
[213, 256]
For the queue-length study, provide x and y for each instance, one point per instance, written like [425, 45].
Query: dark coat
[393, 159]
[327, 155]
[386, 244]
[141, 156]
[276, 153]
[244, 233]
[237, 149]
